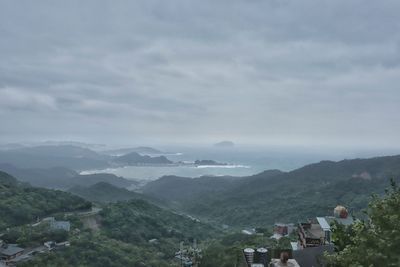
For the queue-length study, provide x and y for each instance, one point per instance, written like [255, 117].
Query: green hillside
[123, 238]
[104, 192]
[149, 222]
[291, 196]
[180, 189]
[62, 178]
[21, 204]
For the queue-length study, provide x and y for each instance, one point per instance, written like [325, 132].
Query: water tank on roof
[249, 255]
[261, 256]
[340, 212]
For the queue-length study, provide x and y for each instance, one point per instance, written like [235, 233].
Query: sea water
[241, 161]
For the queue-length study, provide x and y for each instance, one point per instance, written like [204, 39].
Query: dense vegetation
[178, 190]
[104, 192]
[27, 236]
[62, 178]
[372, 242]
[124, 229]
[275, 196]
[21, 204]
[92, 250]
[138, 221]
[123, 238]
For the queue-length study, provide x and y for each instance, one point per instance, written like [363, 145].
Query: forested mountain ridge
[130, 233]
[63, 178]
[68, 156]
[282, 196]
[175, 188]
[104, 192]
[72, 157]
[150, 221]
[7, 180]
[122, 230]
[21, 203]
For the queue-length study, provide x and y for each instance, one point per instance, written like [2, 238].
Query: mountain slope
[130, 233]
[63, 178]
[268, 197]
[20, 204]
[72, 157]
[180, 189]
[150, 221]
[104, 192]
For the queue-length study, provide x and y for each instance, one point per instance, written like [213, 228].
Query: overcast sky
[256, 71]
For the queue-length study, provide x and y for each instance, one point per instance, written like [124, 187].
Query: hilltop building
[9, 252]
[284, 229]
[58, 225]
[54, 224]
[317, 232]
[311, 234]
[314, 239]
[289, 263]
[261, 257]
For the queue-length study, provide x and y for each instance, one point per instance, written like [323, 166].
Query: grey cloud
[251, 70]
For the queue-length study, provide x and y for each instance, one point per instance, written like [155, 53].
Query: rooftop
[324, 224]
[290, 263]
[11, 250]
[345, 221]
[311, 256]
[61, 225]
[312, 230]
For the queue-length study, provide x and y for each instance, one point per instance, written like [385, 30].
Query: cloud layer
[264, 71]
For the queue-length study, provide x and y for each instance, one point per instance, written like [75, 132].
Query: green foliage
[123, 237]
[139, 221]
[93, 250]
[104, 192]
[34, 236]
[264, 230]
[342, 235]
[123, 240]
[373, 242]
[273, 196]
[20, 204]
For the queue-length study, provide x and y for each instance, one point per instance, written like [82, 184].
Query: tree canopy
[372, 242]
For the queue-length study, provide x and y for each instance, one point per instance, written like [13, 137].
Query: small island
[144, 150]
[208, 162]
[134, 158]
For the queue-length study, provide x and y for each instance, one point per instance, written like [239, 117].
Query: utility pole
[181, 252]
